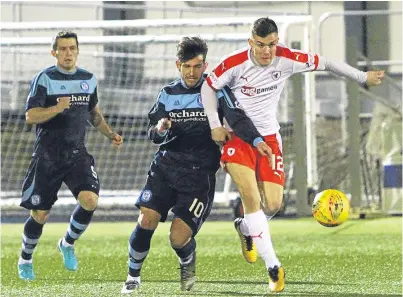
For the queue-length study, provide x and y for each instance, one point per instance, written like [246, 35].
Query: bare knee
[180, 233]
[40, 216]
[148, 218]
[88, 200]
[270, 209]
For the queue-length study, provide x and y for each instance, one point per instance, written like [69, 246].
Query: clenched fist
[374, 78]
[63, 103]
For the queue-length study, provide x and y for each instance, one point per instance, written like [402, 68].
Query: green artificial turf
[358, 258]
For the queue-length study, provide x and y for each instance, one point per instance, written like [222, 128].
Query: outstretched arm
[370, 78]
[98, 121]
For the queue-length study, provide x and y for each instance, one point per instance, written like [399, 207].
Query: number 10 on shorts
[197, 208]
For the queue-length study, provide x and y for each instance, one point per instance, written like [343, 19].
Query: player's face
[66, 53]
[264, 48]
[192, 70]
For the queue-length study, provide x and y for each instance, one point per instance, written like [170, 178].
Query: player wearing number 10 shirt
[256, 75]
[182, 175]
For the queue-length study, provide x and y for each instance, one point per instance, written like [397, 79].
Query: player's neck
[65, 71]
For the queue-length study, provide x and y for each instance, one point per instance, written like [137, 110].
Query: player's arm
[39, 115]
[159, 122]
[309, 61]
[370, 78]
[98, 121]
[36, 113]
[240, 123]
[216, 80]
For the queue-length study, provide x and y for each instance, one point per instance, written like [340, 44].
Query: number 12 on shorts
[277, 163]
[197, 208]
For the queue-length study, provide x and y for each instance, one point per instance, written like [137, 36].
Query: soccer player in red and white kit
[256, 75]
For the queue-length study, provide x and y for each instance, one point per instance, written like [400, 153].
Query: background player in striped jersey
[62, 99]
[182, 175]
[256, 75]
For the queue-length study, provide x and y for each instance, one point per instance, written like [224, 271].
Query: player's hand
[63, 103]
[264, 150]
[374, 78]
[163, 125]
[220, 135]
[117, 139]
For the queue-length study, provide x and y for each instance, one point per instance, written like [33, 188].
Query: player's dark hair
[64, 34]
[263, 27]
[191, 47]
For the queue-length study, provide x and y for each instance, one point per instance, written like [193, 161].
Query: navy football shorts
[44, 179]
[189, 194]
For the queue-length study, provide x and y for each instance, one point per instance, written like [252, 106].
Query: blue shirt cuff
[257, 140]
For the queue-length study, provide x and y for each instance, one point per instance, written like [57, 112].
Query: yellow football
[331, 208]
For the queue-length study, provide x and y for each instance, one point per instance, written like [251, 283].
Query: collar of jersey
[66, 72]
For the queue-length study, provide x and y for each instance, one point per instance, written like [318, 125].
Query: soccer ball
[330, 208]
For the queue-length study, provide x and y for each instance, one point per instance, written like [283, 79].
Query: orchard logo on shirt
[252, 91]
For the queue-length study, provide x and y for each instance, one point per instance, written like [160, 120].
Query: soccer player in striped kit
[256, 75]
[61, 100]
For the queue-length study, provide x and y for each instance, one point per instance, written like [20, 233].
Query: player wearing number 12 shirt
[256, 75]
[182, 175]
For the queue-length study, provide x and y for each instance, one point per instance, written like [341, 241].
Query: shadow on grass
[341, 229]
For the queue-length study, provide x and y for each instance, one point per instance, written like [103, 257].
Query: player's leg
[184, 244]
[38, 194]
[240, 162]
[154, 203]
[83, 182]
[194, 202]
[271, 181]
[139, 246]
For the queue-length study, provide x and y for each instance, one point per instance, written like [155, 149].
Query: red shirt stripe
[230, 62]
[295, 56]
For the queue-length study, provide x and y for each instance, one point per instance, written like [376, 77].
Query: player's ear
[205, 66]
[178, 65]
[250, 42]
[54, 53]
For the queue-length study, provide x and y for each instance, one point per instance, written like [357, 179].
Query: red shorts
[239, 152]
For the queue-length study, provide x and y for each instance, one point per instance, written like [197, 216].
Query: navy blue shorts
[189, 194]
[44, 178]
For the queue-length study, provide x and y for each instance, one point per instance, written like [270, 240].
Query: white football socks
[244, 227]
[259, 230]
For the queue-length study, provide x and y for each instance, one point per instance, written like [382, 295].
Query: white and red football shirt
[258, 88]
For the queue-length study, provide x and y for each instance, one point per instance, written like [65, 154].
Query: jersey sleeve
[94, 96]
[305, 62]
[93, 99]
[156, 113]
[240, 123]
[302, 61]
[220, 76]
[37, 92]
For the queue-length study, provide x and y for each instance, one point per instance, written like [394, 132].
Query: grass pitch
[359, 258]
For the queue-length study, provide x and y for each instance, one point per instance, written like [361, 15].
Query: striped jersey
[258, 88]
[66, 131]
